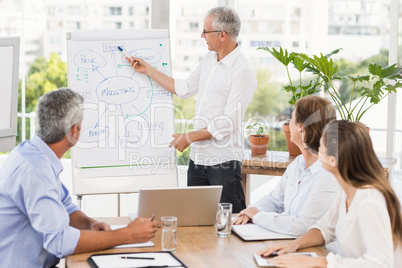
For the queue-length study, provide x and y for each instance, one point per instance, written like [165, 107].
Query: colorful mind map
[126, 112]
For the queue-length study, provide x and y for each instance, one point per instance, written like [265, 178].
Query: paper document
[136, 245]
[132, 260]
[264, 261]
[253, 232]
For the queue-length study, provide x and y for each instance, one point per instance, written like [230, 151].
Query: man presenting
[225, 82]
[39, 223]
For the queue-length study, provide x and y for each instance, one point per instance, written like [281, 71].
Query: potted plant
[373, 87]
[298, 90]
[258, 141]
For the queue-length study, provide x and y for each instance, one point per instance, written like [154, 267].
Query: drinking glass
[169, 233]
[224, 219]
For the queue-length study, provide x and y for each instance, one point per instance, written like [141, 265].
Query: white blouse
[299, 200]
[363, 233]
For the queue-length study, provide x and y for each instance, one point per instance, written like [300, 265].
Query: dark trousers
[227, 174]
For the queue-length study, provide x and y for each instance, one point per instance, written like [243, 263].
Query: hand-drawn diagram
[125, 116]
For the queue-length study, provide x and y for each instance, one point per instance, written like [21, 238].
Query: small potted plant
[259, 141]
[298, 90]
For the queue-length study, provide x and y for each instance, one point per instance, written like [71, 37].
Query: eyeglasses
[205, 32]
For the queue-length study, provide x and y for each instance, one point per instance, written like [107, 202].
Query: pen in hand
[273, 254]
[152, 217]
[123, 52]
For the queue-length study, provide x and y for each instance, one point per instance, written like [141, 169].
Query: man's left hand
[181, 141]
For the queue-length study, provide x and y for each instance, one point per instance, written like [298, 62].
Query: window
[115, 11]
[295, 27]
[296, 12]
[194, 26]
[74, 11]
[51, 11]
[256, 44]
[334, 30]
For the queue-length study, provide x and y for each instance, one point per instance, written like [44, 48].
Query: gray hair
[225, 19]
[56, 113]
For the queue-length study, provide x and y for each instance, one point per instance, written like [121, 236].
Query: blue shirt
[35, 206]
[299, 200]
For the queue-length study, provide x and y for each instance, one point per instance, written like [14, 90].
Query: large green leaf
[282, 55]
[311, 88]
[391, 72]
[376, 93]
[290, 88]
[333, 52]
[392, 88]
[294, 99]
[323, 64]
[298, 62]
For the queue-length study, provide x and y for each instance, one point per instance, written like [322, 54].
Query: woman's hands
[280, 248]
[296, 260]
[246, 215]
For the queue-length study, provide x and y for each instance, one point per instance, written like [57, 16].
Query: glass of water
[224, 219]
[169, 233]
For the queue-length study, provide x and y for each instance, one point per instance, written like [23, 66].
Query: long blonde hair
[350, 143]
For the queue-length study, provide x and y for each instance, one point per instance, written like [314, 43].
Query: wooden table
[196, 247]
[274, 163]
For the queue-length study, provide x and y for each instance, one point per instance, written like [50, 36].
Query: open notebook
[254, 232]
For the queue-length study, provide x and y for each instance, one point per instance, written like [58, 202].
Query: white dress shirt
[299, 200]
[363, 233]
[225, 89]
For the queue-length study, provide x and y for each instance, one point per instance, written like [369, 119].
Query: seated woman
[306, 190]
[365, 218]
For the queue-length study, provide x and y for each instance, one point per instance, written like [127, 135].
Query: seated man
[39, 223]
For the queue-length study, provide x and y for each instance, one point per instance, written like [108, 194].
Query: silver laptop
[193, 206]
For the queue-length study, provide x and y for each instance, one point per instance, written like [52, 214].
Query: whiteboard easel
[128, 118]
